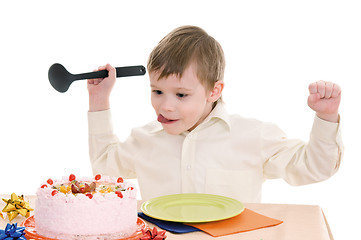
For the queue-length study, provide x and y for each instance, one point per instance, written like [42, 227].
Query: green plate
[192, 207]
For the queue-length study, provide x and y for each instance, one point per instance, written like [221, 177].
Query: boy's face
[181, 104]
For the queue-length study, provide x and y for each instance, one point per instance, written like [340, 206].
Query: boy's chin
[175, 131]
[172, 131]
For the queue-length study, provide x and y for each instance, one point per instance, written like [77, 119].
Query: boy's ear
[216, 93]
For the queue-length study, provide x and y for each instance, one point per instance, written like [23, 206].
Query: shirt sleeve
[298, 162]
[107, 154]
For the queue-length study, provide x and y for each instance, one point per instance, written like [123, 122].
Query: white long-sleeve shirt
[226, 155]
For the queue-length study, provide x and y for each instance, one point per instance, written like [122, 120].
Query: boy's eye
[158, 92]
[181, 95]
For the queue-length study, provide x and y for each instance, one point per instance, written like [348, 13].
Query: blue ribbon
[12, 232]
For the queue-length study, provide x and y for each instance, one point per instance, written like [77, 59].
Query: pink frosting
[68, 214]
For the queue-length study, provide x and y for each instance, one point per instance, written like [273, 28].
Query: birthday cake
[75, 208]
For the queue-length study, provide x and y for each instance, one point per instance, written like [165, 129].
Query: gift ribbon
[16, 205]
[12, 232]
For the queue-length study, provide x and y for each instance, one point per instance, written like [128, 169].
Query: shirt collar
[157, 127]
[219, 112]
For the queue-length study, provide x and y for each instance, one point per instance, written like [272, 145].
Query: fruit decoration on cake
[87, 187]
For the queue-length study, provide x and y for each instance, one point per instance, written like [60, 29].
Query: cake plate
[30, 230]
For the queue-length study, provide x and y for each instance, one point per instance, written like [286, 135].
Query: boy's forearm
[329, 117]
[97, 103]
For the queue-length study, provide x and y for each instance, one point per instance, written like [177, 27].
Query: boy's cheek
[154, 104]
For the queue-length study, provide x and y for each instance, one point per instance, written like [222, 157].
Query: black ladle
[61, 79]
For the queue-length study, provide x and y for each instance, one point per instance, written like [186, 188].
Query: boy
[195, 146]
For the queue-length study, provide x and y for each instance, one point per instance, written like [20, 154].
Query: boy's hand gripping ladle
[61, 79]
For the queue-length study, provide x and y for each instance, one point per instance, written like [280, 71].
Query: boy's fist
[325, 99]
[99, 89]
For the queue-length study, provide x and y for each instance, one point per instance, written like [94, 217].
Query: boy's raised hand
[325, 99]
[100, 88]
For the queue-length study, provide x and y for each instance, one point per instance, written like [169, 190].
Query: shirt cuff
[100, 122]
[325, 130]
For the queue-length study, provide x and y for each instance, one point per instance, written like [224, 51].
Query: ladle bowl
[61, 79]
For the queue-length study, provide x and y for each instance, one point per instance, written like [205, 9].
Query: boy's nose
[167, 105]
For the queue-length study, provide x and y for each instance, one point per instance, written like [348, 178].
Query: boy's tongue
[162, 119]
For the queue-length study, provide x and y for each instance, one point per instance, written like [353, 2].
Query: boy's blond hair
[186, 45]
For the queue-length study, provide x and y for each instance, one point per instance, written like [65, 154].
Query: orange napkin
[246, 221]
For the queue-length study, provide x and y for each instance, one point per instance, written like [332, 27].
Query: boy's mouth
[162, 119]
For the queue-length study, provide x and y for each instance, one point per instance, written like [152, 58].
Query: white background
[274, 49]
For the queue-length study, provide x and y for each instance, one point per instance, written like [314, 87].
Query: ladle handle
[121, 72]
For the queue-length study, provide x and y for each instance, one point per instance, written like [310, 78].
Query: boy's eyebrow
[178, 89]
[184, 89]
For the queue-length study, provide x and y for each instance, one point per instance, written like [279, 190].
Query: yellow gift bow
[16, 205]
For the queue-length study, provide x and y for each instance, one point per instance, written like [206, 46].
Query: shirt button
[189, 167]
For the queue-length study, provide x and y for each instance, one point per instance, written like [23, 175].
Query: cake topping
[71, 177]
[89, 195]
[119, 194]
[78, 187]
[88, 186]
